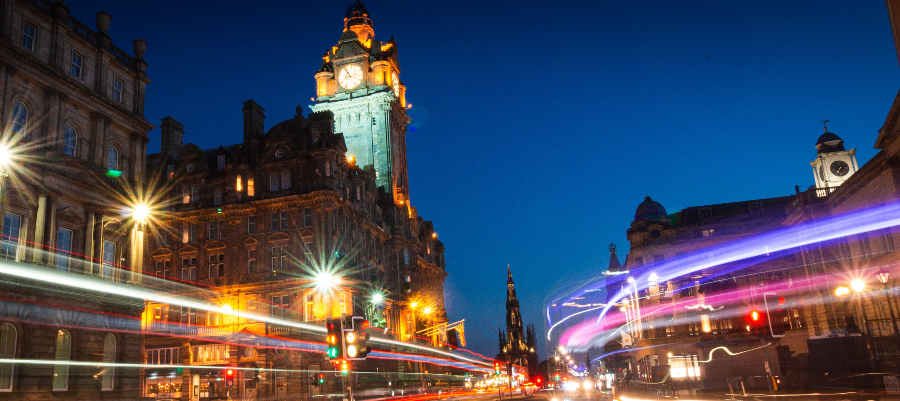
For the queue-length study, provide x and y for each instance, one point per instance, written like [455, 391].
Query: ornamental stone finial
[103, 18]
[140, 47]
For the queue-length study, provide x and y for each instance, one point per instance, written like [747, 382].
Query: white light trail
[42, 274]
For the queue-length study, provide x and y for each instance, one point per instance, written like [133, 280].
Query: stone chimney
[172, 136]
[254, 128]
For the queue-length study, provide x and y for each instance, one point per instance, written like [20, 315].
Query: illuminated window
[77, 62]
[19, 118]
[342, 306]
[63, 249]
[9, 244]
[109, 356]
[8, 337]
[63, 352]
[251, 191]
[170, 171]
[238, 184]
[309, 308]
[109, 258]
[406, 256]
[70, 141]
[118, 87]
[112, 158]
[286, 180]
[327, 169]
[28, 34]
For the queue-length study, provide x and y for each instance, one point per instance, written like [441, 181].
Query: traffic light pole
[765, 347]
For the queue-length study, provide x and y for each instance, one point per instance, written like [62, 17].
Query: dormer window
[279, 154]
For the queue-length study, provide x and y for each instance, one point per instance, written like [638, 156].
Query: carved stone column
[40, 220]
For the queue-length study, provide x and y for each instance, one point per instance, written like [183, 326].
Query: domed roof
[357, 15]
[829, 142]
[650, 209]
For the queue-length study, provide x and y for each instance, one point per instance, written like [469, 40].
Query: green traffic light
[332, 352]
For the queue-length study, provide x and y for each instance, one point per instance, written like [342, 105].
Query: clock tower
[359, 82]
[833, 164]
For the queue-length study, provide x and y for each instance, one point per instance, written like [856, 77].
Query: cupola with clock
[359, 82]
[833, 164]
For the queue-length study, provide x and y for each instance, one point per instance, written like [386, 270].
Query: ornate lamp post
[883, 279]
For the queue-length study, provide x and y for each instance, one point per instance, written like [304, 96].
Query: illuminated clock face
[350, 76]
[840, 168]
[396, 82]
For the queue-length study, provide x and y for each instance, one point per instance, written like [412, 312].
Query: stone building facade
[817, 332]
[74, 143]
[258, 226]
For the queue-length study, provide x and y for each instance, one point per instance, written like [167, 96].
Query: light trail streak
[26, 271]
[757, 248]
[567, 318]
[724, 348]
[198, 367]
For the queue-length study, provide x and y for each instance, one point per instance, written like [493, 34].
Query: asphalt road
[542, 395]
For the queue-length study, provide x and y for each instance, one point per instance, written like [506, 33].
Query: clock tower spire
[359, 82]
[833, 164]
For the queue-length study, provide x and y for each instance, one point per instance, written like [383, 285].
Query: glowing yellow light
[669, 355]
[238, 185]
[226, 307]
[140, 213]
[623, 309]
[433, 235]
[351, 337]
[350, 159]
[858, 285]
[427, 310]
[4, 155]
[841, 291]
[414, 304]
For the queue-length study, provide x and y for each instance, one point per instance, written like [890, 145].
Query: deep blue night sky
[540, 126]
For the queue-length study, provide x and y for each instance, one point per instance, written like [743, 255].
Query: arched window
[63, 352]
[109, 356]
[19, 118]
[273, 182]
[217, 197]
[286, 180]
[7, 351]
[185, 195]
[195, 194]
[112, 159]
[70, 141]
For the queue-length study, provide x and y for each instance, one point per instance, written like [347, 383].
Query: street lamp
[883, 279]
[858, 285]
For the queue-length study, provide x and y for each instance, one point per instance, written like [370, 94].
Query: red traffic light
[754, 316]
[539, 380]
[229, 373]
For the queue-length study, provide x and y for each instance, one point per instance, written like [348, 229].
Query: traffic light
[321, 378]
[497, 368]
[756, 323]
[356, 339]
[229, 377]
[345, 367]
[334, 338]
